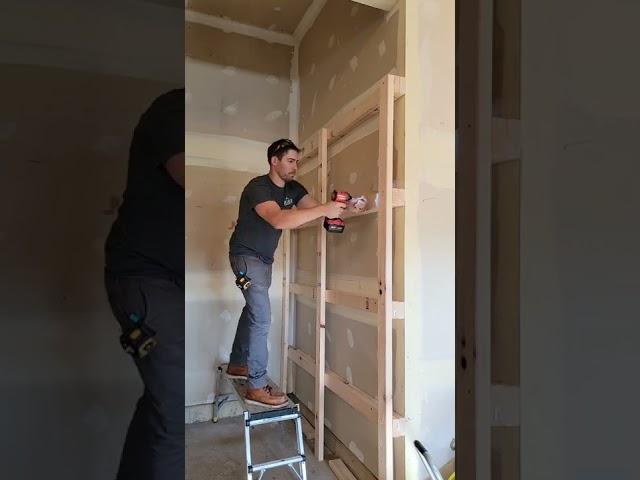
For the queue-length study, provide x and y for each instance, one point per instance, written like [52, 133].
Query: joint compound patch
[272, 80]
[353, 238]
[277, 9]
[231, 109]
[230, 199]
[273, 116]
[353, 63]
[382, 48]
[332, 83]
[353, 177]
[332, 40]
[309, 328]
[229, 71]
[356, 451]
[313, 104]
[350, 338]
[354, 10]
[312, 70]
[349, 375]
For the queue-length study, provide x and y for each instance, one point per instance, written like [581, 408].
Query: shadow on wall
[64, 151]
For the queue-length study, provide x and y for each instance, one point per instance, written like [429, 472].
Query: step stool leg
[247, 445]
[216, 398]
[303, 464]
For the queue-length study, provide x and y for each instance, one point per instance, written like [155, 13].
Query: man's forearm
[288, 219]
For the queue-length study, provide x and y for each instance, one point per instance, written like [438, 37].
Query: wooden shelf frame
[378, 100]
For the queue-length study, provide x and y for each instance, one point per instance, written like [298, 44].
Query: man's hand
[334, 209]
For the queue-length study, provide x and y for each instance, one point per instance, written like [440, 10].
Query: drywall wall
[579, 238]
[430, 230]
[343, 31]
[348, 47]
[76, 79]
[237, 100]
[274, 15]
[213, 302]
[236, 85]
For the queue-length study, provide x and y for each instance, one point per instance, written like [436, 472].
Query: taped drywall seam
[308, 19]
[227, 26]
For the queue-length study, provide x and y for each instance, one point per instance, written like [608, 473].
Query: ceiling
[281, 16]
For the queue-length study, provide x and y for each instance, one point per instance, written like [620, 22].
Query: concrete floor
[215, 451]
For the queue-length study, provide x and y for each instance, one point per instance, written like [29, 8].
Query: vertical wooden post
[321, 300]
[286, 300]
[385, 269]
[293, 258]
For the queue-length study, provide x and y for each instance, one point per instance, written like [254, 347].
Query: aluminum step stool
[272, 416]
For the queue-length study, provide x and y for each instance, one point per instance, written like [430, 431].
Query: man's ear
[272, 160]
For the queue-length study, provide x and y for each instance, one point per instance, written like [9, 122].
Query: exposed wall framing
[379, 100]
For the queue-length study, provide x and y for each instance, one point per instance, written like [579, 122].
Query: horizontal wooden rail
[358, 111]
[359, 400]
[368, 303]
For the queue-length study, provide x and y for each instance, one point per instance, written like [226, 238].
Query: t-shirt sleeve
[257, 193]
[299, 192]
[165, 126]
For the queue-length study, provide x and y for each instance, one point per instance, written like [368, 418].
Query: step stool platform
[240, 389]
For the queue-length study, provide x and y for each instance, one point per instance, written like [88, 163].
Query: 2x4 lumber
[359, 400]
[340, 470]
[321, 303]
[357, 301]
[286, 301]
[308, 291]
[359, 110]
[385, 269]
[397, 200]
[339, 449]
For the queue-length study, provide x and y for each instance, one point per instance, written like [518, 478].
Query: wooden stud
[350, 394]
[340, 470]
[355, 113]
[397, 200]
[286, 301]
[385, 269]
[321, 301]
[293, 257]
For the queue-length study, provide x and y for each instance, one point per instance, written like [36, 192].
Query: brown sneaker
[265, 397]
[237, 371]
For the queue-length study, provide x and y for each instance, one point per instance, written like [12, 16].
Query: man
[265, 210]
[144, 277]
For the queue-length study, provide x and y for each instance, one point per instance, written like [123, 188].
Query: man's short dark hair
[279, 148]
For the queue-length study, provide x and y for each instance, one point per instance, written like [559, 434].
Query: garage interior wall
[63, 172]
[346, 50]
[237, 103]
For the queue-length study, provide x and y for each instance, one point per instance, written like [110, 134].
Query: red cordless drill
[336, 225]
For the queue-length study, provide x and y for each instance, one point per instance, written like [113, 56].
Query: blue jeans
[250, 344]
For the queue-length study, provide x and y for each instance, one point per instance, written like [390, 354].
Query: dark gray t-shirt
[253, 235]
[147, 237]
